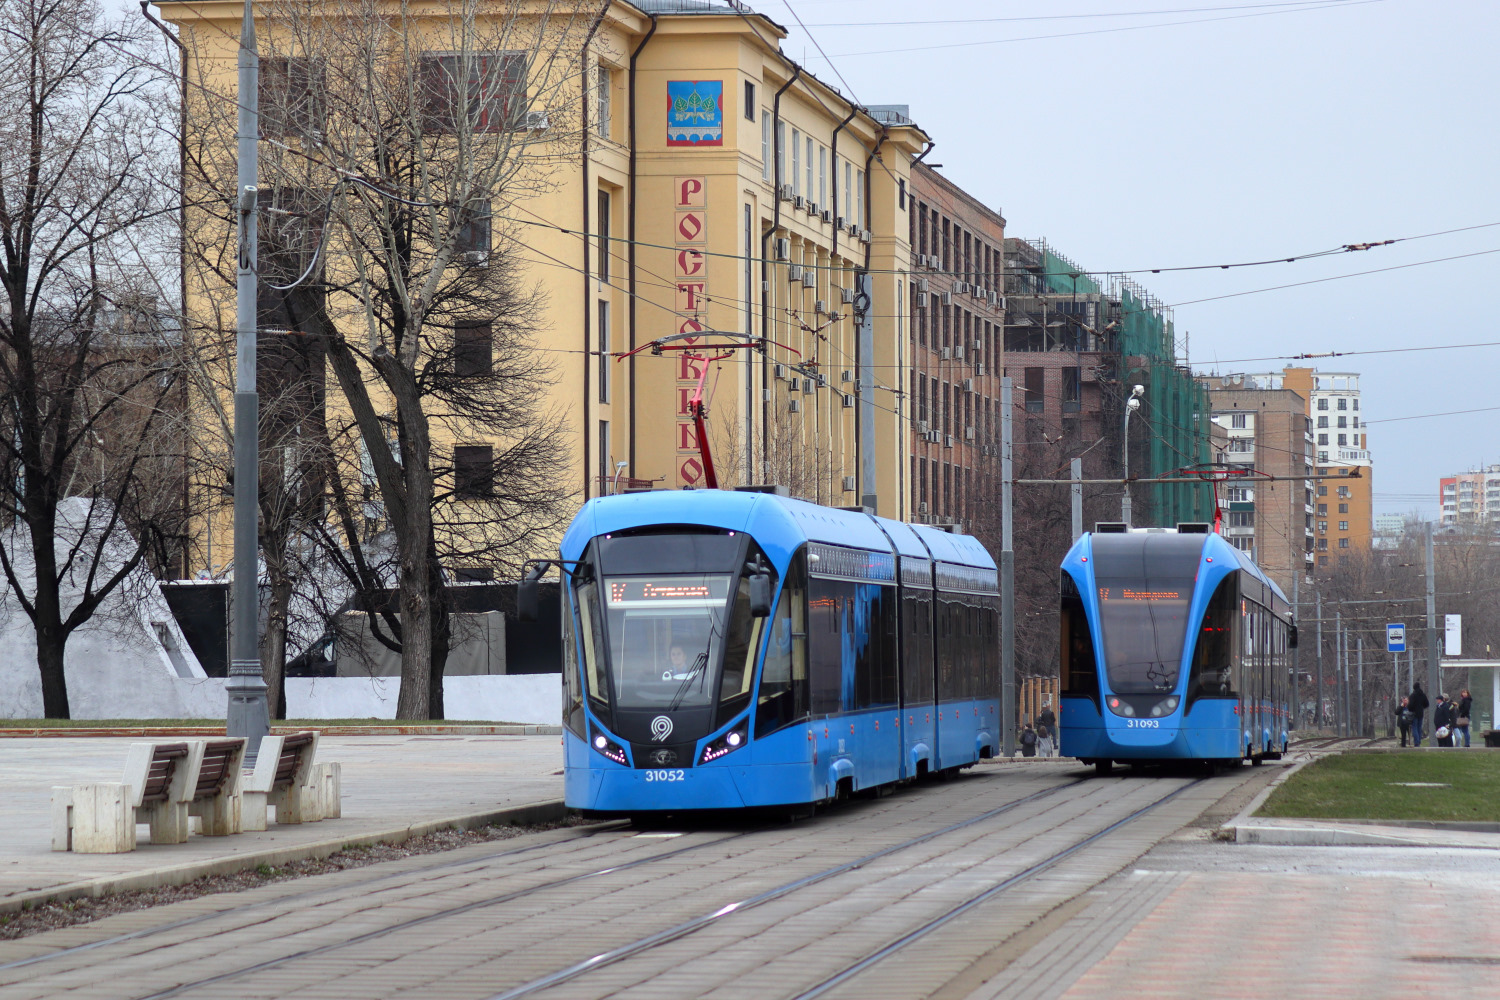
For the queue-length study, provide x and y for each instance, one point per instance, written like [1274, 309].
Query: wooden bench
[216, 794]
[100, 817]
[284, 777]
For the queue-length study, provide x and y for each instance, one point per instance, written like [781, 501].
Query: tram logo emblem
[661, 728]
[663, 757]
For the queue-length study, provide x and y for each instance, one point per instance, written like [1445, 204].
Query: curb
[1236, 826]
[534, 812]
[499, 729]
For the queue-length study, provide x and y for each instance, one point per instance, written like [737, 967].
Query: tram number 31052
[666, 775]
[1142, 723]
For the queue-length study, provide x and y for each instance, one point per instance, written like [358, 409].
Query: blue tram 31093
[738, 649]
[1175, 646]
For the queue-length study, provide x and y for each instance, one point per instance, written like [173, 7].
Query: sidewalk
[392, 785]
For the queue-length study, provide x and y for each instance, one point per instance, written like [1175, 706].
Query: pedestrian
[1028, 741]
[1049, 721]
[1417, 701]
[1442, 721]
[1403, 720]
[1461, 717]
[1043, 740]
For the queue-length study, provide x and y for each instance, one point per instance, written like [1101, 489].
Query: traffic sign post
[1395, 638]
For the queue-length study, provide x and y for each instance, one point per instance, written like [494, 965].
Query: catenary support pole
[247, 711]
[1359, 687]
[1340, 674]
[1322, 693]
[1432, 629]
[1077, 490]
[1007, 574]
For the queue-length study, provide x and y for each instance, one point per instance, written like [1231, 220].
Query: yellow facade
[671, 213]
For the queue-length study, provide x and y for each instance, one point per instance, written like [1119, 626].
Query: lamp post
[247, 714]
[1132, 404]
[619, 468]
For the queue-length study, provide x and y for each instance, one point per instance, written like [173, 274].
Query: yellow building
[1344, 513]
[693, 182]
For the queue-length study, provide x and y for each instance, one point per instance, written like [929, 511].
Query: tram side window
[591, 631]
[742, 643]
[917, 650]
[991, 650]
[783, 682]
[826, 611]
[874, 652]
[1079, 667]
[946, 651]
[1213, 652]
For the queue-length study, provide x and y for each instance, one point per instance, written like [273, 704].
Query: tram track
[526, 891]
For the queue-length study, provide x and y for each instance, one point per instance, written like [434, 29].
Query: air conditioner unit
[840, 223]
[978, 292]
[821, 379]
[809, 276]
[848, 401]
[968, 385]
[778, 371]
[794, 273]
[807, 385]
[979, 368]
[958, 352]
[945, 353]
[921, 300]
[536, 121]
[960, 287]
[922, 507]
[921, 426]
[947, 440]
[827, 215]
[846, 376]
[934, 436]
[820, 307]
[784, 192]
[978, 345]
[798, 202]
[783, 248]
[812, 208]
[795, 406]
[853, 228]
[848, 484]
[864, 236]
[846, 296]
[765, 395]
[968, 433]
[795, 384]
[477, 258]
[947, 298]
[994, 298]
[921, 284]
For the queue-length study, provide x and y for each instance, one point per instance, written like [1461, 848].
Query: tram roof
[1218, 543]
[735, 510]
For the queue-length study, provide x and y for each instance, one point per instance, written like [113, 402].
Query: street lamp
[1131, 405]
[619, 468]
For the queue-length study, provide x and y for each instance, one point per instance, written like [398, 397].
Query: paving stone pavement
[388, 782]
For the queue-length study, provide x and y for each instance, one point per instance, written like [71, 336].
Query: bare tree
[400, 136]
[86, 367]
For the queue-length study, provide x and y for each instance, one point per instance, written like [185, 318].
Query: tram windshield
[666, 637]
[1145, 586]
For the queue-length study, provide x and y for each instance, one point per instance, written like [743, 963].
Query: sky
[1258, 130]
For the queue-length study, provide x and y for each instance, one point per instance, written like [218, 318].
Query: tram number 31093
[1142, 723]
[666, 775]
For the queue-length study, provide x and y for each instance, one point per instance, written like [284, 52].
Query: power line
[1343, 354]
[1424, 416]
[1336, 277]
[1044, 17]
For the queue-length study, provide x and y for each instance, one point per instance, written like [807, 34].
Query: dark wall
[202, 612]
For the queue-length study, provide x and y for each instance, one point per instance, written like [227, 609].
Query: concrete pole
[1359, 659]
[866, 355]
[1340, 675]
[1432, 629]
[1007, 574]
[247, 713]
[1125, 511]
[1077, 490]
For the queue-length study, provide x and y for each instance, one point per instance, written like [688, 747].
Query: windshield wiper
[699, 669]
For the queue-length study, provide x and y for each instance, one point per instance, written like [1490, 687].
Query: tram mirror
[760, 595]
[1291, 638]
[527, 600]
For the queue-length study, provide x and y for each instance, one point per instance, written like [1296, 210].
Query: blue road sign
[1395, 638]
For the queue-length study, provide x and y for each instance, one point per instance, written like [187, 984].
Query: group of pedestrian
[1450, 718]
[1041, 740]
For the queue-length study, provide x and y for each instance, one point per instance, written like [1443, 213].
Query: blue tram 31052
[1175, 646]
[738, 649]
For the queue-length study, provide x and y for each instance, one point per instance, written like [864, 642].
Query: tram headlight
[737, 737]
[608, 747]
[1164, 707]
[1121, 707]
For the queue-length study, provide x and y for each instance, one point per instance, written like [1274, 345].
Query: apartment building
[1470, 499]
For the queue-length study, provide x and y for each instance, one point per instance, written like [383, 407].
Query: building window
[1322, 527]
[1322, 545]
[1322, 490]
[1322, 456]
[1322, 421]
[848, 199]
[291, 94]
[1356, 403]
[474, 574]
[473, 348]
[1343, 403]
[749, 101]
[822, 177]
[606, 345]
[603, 83]
[1343, 543]
[859, 197]
[765, 146]
[1343, 508]
[1239, 494]
[796, 162]
[1343, 440]
[1323, 404]
[1241, 519]
[493, 85]
[901, 193]
[1322, 439]
[1237, 420]
[1241, 445]
[1036, 398]
[604, 248]
[1343, 525]
[1343, 491]
[474, 235]
[473, 472]
[1322, 508]
[780, 153]
[1343, 421]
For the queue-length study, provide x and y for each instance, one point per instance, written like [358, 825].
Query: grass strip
[1439, 785]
